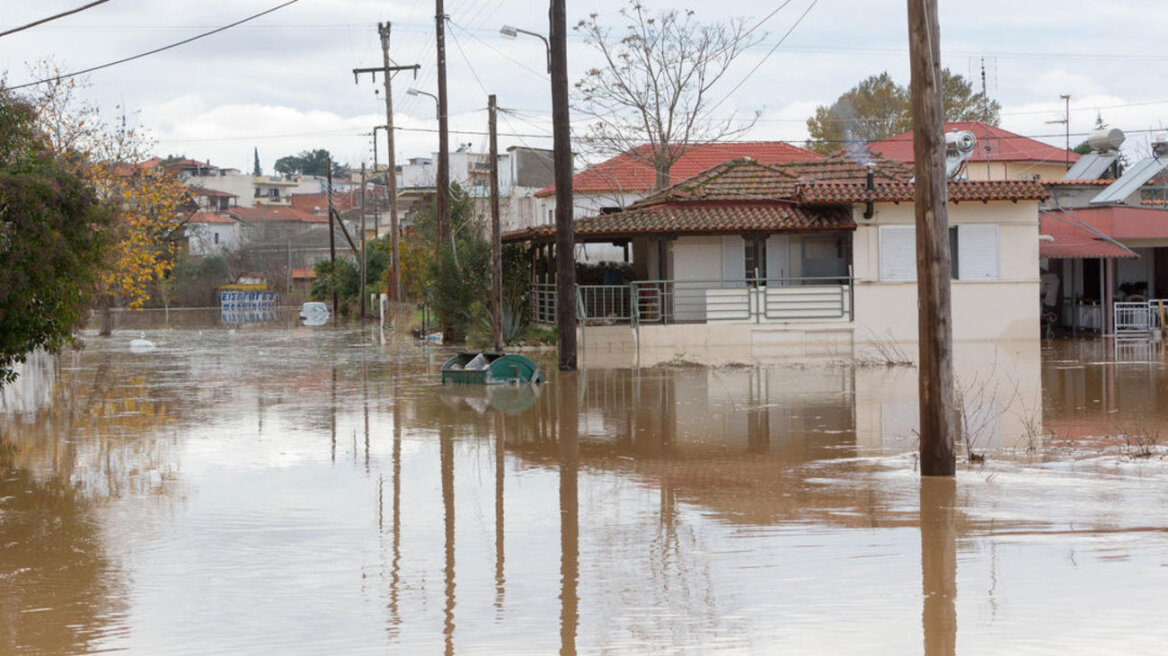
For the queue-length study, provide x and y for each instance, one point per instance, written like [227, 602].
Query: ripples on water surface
[301, 491]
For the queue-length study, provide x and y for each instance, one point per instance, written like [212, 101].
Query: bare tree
[653, 97]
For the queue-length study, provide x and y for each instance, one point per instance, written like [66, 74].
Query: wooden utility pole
[361, 255]
[934, 320]
[387, 71]
[390, 166]
[332, 239]
[496, 230]
[562, 156]
[442, 193]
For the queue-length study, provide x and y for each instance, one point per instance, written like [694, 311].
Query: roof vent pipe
[870, 208]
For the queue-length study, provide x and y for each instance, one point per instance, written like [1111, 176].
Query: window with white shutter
[778, 265]
[977, 252]
[733, 261]
[898, 253]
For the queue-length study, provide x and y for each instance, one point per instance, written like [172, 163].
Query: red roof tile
[275, 213]
[628, 172]
[819, 193]
[1005, 146]
[318, 203]
[699, 217]
[208, 217]
[301, 274]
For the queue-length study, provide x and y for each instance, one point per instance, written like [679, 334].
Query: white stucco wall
[1007, 308]
[201, 237]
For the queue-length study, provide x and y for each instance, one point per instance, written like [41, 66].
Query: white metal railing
[1137, 318]
[605, 303]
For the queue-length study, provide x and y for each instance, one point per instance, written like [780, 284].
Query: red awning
[1064, 237]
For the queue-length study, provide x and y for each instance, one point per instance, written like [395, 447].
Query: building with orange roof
[1000, 154]
[800, 256]
[626, 178]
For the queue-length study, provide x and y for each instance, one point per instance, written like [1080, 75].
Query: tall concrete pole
[935, 321]
[496, 230]
[562, 156]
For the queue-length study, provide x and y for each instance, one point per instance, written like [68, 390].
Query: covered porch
[704, 276]
[1105, 269]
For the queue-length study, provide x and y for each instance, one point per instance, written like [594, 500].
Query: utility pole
[362, 255]
[496, 230]
[562, 156]
[332, 240]
[443, 192]
[1066, 122]
[935, 322]
[387, 71]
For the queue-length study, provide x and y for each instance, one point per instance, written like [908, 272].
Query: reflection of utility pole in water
[395, 564]
[569, 512]
[500, 441]
[333, 418]
[365, 404]
[939, 565]
[446, 449]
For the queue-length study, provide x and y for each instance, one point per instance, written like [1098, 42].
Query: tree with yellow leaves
[150, 203]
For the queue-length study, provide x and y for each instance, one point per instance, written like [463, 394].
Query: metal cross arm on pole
[374, 70]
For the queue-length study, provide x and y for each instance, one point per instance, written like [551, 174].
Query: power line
[767, 56]
[53, 18]
[91, 69]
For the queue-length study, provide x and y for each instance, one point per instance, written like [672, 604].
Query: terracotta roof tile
[208, 217]
[704, 217]
[820, 193]
[275, 213]
[312, 202]
[628, 172]
[1005, 146]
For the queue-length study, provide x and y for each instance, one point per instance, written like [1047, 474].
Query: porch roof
[701, 217]
[1070, 239]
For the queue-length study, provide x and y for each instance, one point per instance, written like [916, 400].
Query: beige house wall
[1014, 170]
[1007, 308]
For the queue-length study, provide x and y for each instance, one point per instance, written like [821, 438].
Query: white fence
[1138, 319]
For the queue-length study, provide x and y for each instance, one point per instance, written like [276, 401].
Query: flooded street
[283, 489]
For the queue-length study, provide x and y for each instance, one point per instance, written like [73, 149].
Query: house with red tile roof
[803, 256]
[209, 233]
[1000, 154]
[629, 177]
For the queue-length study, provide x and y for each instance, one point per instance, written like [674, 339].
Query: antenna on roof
[988, 80]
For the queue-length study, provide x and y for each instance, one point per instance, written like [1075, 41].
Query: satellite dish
[959, 147]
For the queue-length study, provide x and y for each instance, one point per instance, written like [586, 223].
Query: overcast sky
[283, 83]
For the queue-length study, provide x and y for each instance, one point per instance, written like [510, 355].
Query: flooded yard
[293, 490]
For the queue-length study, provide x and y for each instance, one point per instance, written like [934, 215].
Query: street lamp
[412, 91]
[511, 32]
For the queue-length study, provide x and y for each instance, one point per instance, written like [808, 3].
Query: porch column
[1108, 283]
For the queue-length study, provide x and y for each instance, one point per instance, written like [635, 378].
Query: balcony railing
[704, 301]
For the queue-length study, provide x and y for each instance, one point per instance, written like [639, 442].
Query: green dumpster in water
[488, 368]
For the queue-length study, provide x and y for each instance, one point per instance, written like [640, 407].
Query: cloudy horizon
[283, 83]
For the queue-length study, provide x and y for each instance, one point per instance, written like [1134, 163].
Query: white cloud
[1058, 82]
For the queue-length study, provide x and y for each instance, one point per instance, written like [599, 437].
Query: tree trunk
[105, 305]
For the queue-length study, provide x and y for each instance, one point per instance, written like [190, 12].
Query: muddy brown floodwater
[279, 489]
